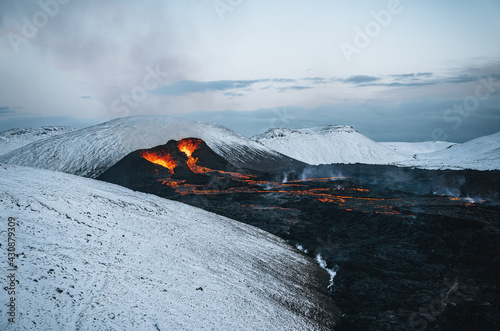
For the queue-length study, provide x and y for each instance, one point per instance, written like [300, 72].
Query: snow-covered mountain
[96, 256]
[90, 151]
[481, 154]
[343, 144]
[410, 149]
[328, 144]
[15, 138]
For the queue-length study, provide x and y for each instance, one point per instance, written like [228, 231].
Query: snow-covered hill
[95, 256]
[410, 149]
[481, 154]
[90, 151]
[15, 138]
[328, 144]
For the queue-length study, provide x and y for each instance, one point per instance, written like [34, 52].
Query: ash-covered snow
[91, 151]
[15, 138]
[96, 256]
[328, 144]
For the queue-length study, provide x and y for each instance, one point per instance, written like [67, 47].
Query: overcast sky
[395, 70]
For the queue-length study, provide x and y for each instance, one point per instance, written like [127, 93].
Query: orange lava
[165, 160]
[188, 146]
[293, 188]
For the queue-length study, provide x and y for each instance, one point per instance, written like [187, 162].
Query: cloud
[85, 97]
[294, 88]
[360, 79]
[189, 86]
[317, 80]
[460, 79]
[282, 80]
[413, 75]
[233, 94]
[9, 110]
[402, 80]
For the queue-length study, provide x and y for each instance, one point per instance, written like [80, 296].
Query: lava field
[411, 249]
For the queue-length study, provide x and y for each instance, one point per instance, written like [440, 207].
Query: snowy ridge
[90, 151]
[328, 144]
[16, 138]
[95, 256]
[410, 149]
[481, 154]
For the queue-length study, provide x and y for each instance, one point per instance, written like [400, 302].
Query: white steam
[332, 272]
[301, 248]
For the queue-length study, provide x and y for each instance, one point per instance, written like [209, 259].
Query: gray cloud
[317, 80]
[189, 86]
[404, 82]
[413, 75]
[233, 94]
[293, 88]
[97, 39]
[360, 79]
[9, 110]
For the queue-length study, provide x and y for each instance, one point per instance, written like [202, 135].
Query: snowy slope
[95, 256]
[410, 149]
[15, 138]
[90, 151]
[481, 154]
[328, 144]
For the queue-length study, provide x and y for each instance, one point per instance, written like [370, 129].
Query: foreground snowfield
[95, 256]
[91, 151]
[15, 138]
[328, 144]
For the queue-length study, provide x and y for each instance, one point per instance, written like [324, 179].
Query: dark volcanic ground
[412, 249]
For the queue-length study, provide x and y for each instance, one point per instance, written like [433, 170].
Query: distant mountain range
[343, 144]
[15, 138]
[91, 151]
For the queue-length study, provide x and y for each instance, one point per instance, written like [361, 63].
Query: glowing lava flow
[188, 146]
[251, 184]
[165, 160]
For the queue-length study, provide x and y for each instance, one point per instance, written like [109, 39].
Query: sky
[395, 70]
